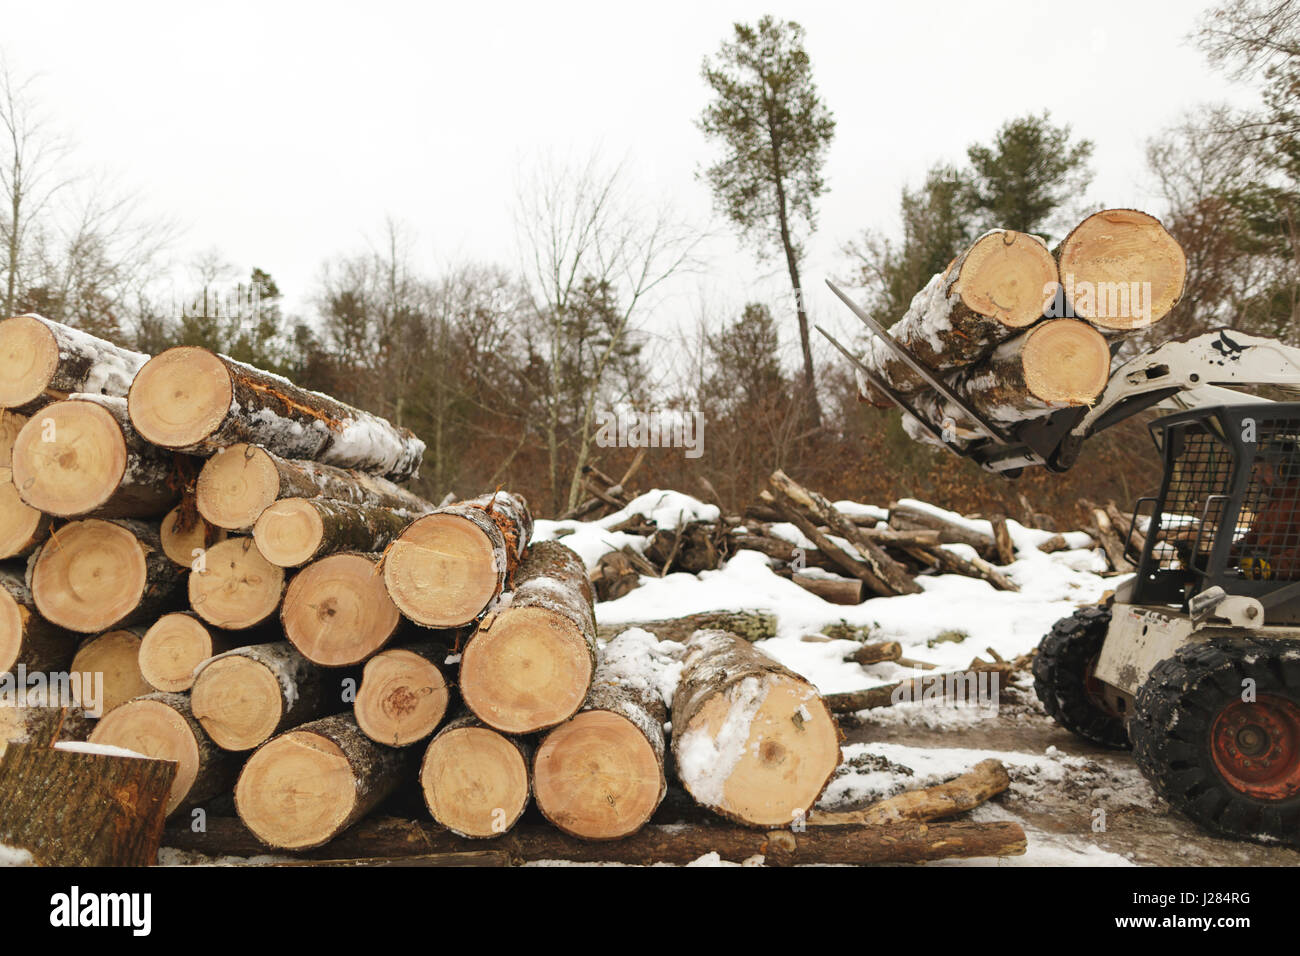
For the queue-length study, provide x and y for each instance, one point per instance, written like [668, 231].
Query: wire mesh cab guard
[1228, 512]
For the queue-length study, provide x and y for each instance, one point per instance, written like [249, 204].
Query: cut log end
[530, 669]
[1009, 276]
[172, 648]
[475, 781]
[70, 458]
[597, 777]
[181, 545]
[237, 700]
[776, 772]
[403, 697]
[237, 588]
[22, 527]
[115, 657]
[1065, 361]
[442, 571]
[90, 576]
[297, 791]
[1111, 254]
[337, 612]
[236, 485]
[13, 626]
[180, 397]
[289, 532]
[152, 728]
[29, 357]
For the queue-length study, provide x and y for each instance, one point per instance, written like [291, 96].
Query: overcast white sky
[282, 133]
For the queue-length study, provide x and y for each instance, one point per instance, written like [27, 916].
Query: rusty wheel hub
[1256, 747]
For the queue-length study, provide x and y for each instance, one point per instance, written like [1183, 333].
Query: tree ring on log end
[90, 577]
[171, 649]
[1065, 361]
[1008, 276]
[12, 630]
[180, 545]
[402, 698]
[236, 485]
[19, 522]
[237, 587]
[337, 611]
[530, 670]
[116, 656]
[29, 357]
[152, 728]
[442, 571]
[70, 458]
[180, 397]
[238, 701]
[597, 777]
[1111, 253]
[773, 775]
[296, 791]
[288, 532]
[468, 775]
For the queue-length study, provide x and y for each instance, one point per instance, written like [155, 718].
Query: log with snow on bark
[41, 361]
[1000, 285]
[35, 719]
[447, 568]
[296, 531]
[238, 483]
[530, 664]
[80, 456]
[98, 574]
[965, 792]
[190, 399]
[752, 740]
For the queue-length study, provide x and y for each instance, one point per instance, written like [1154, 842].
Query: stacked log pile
[261, 609]
[1018, 330]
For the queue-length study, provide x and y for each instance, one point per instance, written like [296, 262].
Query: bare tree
[579, 229]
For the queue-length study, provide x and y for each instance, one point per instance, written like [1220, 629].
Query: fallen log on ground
[530, 665]
[41, 361]
[842, 558]
[70, 808]
[978, 785]
[194, 400]
[449, 567]
[831, 588]
[980, 685]
[905, 517]
[748, 625]
[877, 653]
[672, 844]
[752, 740]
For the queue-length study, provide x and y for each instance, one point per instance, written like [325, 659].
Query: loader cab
[1228, 511]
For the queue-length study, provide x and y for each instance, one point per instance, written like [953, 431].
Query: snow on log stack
[253, 600]
[1018, 331]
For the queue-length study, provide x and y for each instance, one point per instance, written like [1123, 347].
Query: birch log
[1000, 285]
[238, 483]
[191, 399]
[752, 740]
[41, 361]
[296, 531]
[530, 666]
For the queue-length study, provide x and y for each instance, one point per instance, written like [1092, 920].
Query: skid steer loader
[1195, 660]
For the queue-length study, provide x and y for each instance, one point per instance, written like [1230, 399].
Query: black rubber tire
[1061, 674]
[1171, 729]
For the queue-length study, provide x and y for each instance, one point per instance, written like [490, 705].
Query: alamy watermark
[1072, 298]
[978, 688]
[75, 689]
[651, 428]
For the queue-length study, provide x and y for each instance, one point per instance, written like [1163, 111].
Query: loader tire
[1231, 764]
[1063, 678]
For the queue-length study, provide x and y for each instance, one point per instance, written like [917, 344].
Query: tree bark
[833, 590]
[82, 809]
[752, 740]
[978, 785]
[529, 667]
[747, 625]
[42, 361]
[905, 517]
[194, 400]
